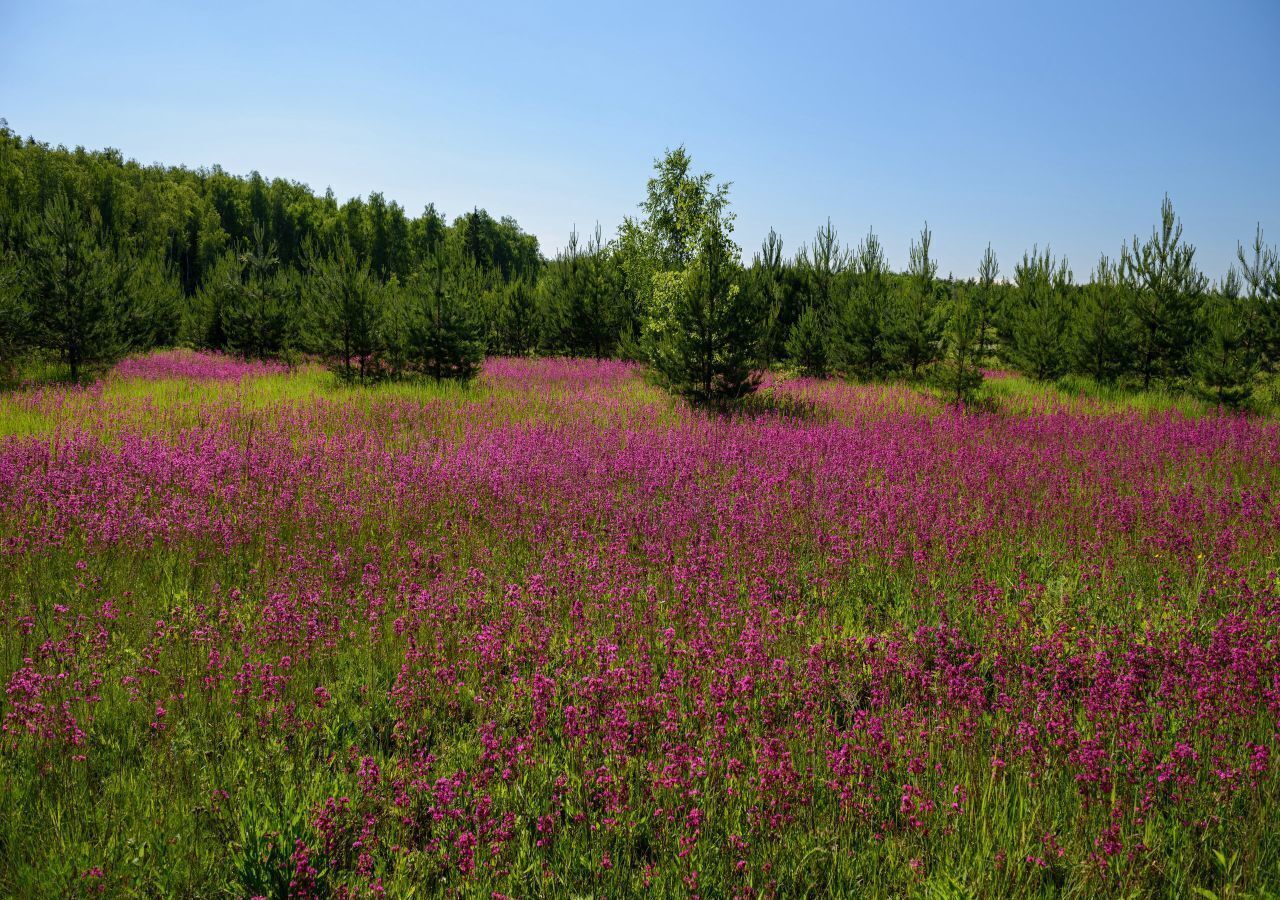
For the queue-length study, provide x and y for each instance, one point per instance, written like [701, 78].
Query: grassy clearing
[554, 634]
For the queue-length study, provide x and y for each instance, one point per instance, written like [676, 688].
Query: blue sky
[1014, 123]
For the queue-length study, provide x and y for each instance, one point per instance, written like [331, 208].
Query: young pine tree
[711, 353]
[1038, 316]
[151, 295]
[349, 311]
[812, 344]
[913, 329]
[1102, 327]
[1225, 360]
[1166, 300]
[1262, 279]
[822, 266]
[582, 298]
[859, 334]
[967, 319]
[765, 282]
[257, 317]
[519, 318]
[204, 321]
[15, 318]
[809, 343]
[73, 284]
[442, 336]
[958, 371]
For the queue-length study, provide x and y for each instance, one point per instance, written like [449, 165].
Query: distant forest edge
[101, 256]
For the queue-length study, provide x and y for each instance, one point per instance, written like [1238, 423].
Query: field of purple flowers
[554, 634]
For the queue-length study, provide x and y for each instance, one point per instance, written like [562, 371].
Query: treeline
[100, 256]
[1143, 317]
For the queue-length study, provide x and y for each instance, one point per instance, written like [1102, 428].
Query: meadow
[555, 633]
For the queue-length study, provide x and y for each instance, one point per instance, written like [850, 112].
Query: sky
[1013, 123]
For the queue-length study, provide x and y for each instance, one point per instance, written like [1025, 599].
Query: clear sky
[1015, 123]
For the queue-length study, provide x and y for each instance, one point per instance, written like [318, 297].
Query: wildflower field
[554, 634]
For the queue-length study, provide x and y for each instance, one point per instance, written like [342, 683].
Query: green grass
[212, 803]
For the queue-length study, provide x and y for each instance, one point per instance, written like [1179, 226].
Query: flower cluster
[558, 635]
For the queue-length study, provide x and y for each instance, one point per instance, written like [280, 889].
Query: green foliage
[168, 235]
[205, 258]
[809, 346]
[913, 330]
[439, 332]
[203, 324]
[636, 256]
[957, 371]
[260, 316]
[1167, 294]
[582, 307]
[701, 332]
[1226, 360]
[1103, 327]
[517, 319]
[821, 267]
[151, 301]
[860, 328]
[678, 208]
[1038, 316]
[966, 317]
[348, 307]
[709, 349]
[497, 245]
[15, 318]
[765, 283]
[813, 345]
[73, 286]
[1261, 276]
[986, 300]
[654, 252]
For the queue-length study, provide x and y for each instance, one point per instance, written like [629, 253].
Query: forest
[101, 257]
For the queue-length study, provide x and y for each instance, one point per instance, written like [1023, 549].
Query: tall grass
[553, 634]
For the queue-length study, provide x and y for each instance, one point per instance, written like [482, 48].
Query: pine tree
[860, 329]
[985, 301]
[1166, 302]
[1262, 278]
[766, 284]
[348, 310]
[711, 355]
[73, 283]
[967, 318]
[204, 322]
[1226, 361]
[1038, 316]
[149, 311]
[519, 319]
[15, 318]
[426, 233]
[257, 317]
[1102, 327]
[442, 335]
[580, 291]
[684, 310]
[822, 267]
[809, 344]
[913, 329]
[596, 314]
[958, 371]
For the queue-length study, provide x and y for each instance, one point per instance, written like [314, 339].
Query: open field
[554, 633]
